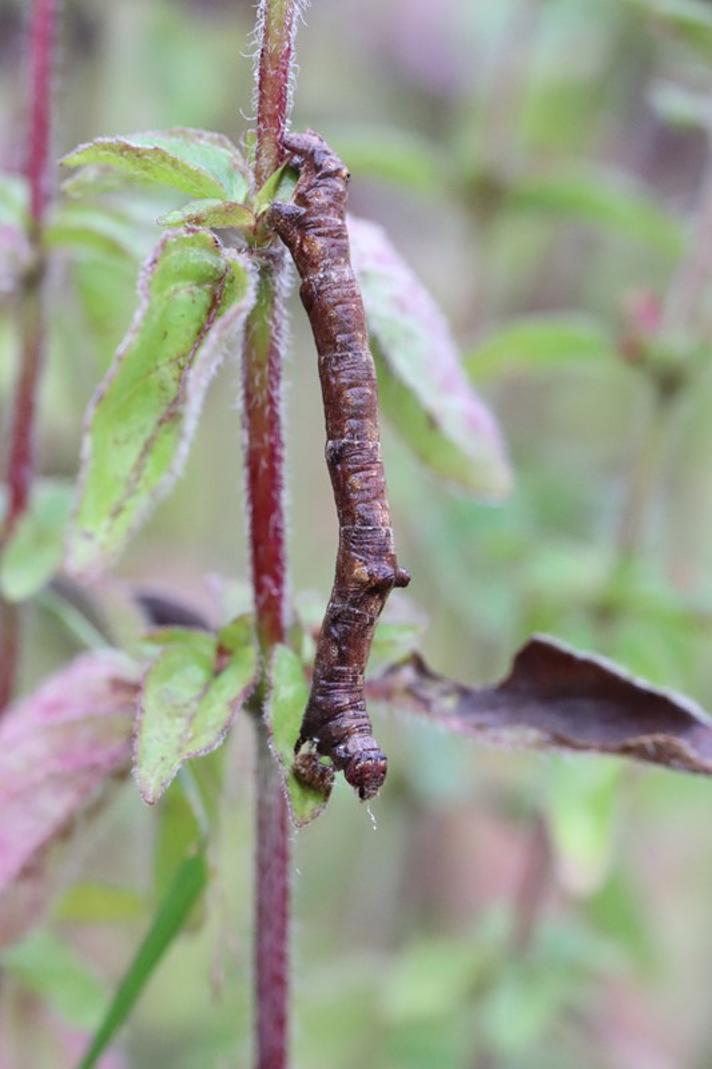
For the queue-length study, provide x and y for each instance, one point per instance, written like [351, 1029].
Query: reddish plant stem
[264, 460]
[277, 22]
[19, 467]
[42, 42]
[264, 450]
[271, 913]
[262, 369]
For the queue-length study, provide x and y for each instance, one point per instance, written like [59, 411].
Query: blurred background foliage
[541, 164]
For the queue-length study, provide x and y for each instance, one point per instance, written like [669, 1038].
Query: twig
[19, 468]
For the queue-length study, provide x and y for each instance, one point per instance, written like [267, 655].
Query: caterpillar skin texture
[313, 228]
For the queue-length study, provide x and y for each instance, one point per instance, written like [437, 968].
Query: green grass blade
[189, 882]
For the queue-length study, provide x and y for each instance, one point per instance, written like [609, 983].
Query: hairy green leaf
[196, 162]
[538, 342]
[279, 185]
[288, 700]
[603, 199]
[423, 388]
[34, 552]
[189, 883]
[212, 213]
[50, 968]
[190, 695]
[194, 298]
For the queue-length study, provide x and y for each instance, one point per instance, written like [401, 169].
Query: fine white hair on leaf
[87, 555]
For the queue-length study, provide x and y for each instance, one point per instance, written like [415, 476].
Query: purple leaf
[557, 698]
[58, 748]
[422, 386]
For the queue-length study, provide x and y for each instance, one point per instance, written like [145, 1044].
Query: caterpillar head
[366, 771]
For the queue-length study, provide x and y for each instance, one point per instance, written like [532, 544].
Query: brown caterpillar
[313, 228]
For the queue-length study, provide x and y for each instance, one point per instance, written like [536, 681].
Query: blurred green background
[540, 163]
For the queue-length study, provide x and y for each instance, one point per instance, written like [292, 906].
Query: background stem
[19, 467]
[262, 369]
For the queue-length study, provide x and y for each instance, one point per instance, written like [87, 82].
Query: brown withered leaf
[558, 698]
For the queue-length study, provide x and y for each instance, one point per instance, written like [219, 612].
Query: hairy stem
[262, 369]
[19, 467]
[264, 459]
[277, 20]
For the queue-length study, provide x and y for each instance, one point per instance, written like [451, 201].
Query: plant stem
[264, 457]
[642, 477]
[19, 469]
[687, 305]
[262, 369]
[277, 24]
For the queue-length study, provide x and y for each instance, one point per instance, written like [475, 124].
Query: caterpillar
[313, 227]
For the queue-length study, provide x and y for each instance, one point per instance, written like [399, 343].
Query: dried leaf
[196, 162]
[558, 698]
[423, 388]
[194, 297]
[58, 749]
[190, 695]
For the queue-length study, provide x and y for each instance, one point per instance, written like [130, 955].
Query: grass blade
[189, 882]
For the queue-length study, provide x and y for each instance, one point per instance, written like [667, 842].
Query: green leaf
[49, 968]
[538, 342]
[189, 883]
[430, 977]
[582, 809]
[86, 228]
[279, 185]
[603, 199]
[34, 552]
[287, 702]
[423, 388]
[196, 162]
[690, 20]
[13, 201]
[190, 695]
[194, 299]
[392, 155]
[99, 903]
[15, 249]
[177, 834]
[213, 213]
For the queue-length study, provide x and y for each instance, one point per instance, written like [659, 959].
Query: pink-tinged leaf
[59, 747]
[422, 385]
[194, 297]
[557, 698]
